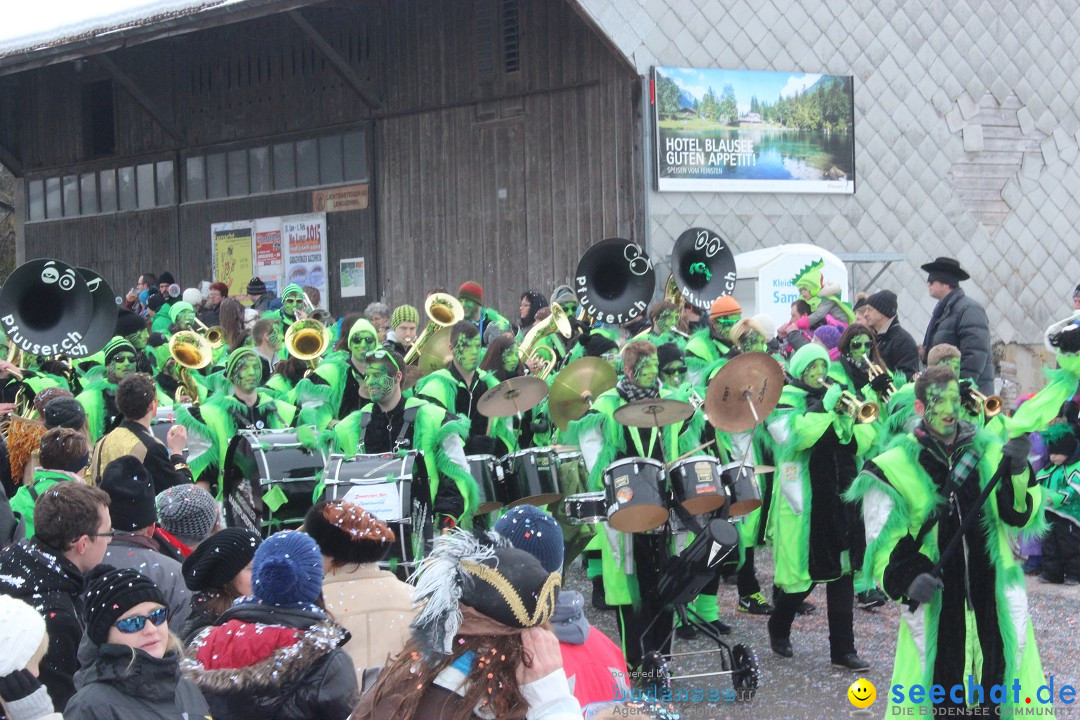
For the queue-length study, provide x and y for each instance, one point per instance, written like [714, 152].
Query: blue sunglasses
[136, 623]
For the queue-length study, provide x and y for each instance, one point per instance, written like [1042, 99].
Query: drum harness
[401, 442]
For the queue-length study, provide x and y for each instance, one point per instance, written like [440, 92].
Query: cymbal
[744, 392]
[512, 396]
[575, 388]
[436, 353]
[658, 412]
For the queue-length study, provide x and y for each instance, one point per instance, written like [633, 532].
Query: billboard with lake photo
[751, 131]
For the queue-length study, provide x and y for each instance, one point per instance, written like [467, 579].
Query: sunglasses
[861, 344]
[678, 370]
[360, 339]
[379, 355]
[124, 358]
[136, 623]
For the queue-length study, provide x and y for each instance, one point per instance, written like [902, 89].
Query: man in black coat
[72, 529]
[897, 347]
[958, 320]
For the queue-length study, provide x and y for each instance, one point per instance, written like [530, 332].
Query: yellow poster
[234, 260]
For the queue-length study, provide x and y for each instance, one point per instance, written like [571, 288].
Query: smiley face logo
[862, 693]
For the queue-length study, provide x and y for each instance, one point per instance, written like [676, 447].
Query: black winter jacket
[963, 323]
[123, 683]
[45, 579]
[260, 662]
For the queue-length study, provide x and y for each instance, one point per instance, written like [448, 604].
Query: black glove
[18, 685]
[905, 564]
[1016, 452]
[156, 340]
[1067, 340]
[922, 588]
[880, 383]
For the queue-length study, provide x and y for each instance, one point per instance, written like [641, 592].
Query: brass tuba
[443, 310]
[307, 340]
[530, 348]
[191, 351]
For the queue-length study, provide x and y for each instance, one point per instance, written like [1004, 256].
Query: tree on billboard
[729, 109]
[667, 97]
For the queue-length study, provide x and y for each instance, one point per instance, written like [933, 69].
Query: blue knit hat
[529, 528]
[288, 570]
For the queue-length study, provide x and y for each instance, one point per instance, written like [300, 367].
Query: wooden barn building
[495, 139]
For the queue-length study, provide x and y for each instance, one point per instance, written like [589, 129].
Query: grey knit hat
[186, 511]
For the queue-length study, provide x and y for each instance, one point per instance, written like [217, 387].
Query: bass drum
[382, 485]
[269, 480]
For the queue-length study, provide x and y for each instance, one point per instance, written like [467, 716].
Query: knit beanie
[767, 325]
[166, 278]
[115, 346]
[179, 307]
[804, 356]
[128, 322]
[64, 412]
[884, 301]
[598, 344]
[403, 314]
[564, 294]
[288, 570]
[233, 361]
[111, 593]
[131, 491]
[256, 286]
[292, 289]
[22, 631]
[347, 532]
[471, 290]
[156, 301]
[219, 558]
[666, 353]
[828, 335]
[723, 306]
[192, 296]
[529, 528]
[186, 511]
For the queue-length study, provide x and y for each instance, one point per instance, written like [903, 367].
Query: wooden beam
[141, 98]
[11, 161]
[339, 63]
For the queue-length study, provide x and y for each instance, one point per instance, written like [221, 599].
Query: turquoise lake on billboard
[780, 155]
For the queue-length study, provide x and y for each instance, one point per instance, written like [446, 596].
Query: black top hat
[947, 266]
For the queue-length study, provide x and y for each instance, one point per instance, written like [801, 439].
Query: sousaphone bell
[614, 281]
[702, 267]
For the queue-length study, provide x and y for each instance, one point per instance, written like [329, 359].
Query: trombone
[214, 335]
[307, 340]
[191, 351]
[978, 404]
[531, 350]
[874, 370]
[443, 310]
[858, 410]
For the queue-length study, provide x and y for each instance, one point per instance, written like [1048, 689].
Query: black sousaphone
[703, 267]
[614, 281]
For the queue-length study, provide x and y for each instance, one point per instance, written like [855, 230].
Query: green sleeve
[347, 434]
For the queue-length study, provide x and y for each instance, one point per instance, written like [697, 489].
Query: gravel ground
[807, 686]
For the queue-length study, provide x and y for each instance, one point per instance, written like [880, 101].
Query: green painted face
[645, 371]
[291, 303]
[379, 381]
[859, 347]
[722, 326]
[673, 374]
[121, 365]
[510, 359]
[953, 364]
[247, 374]
[612, 358]
[471, 308]
[753, 342]
[360, 343]
[138, 339]
[467, 353]
[814, 375]
[942, 409]
[667, 321]
[185, 319]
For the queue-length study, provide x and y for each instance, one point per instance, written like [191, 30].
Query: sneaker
[870, 599]
[851, 661]
[805, 608]
[781, 646]
[755, 605]
[685, 632]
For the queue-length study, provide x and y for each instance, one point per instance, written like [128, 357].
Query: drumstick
[688, 454]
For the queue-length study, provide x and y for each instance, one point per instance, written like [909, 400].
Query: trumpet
[307, 340]
[191, 351]
[978, 404]
[214, 335]
[531, 350]
[874, 370]
[858, 410]
[443, 310]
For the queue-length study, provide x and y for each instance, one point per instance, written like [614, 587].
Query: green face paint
[122, 365]
[379, 382]
[953, 364]
[467, 353]
[814, 375]
[471, 309]
[645, 371]
[753, 342]
[942, 410]
[359, 345]
[291, 304]
[185, 319]
[510, 359]
[667, 321]
[723, 326]
[673, 374]
[247, 374]
[859, 347]
[138, 339]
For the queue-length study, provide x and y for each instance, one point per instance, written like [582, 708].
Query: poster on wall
[232, 253]
[353, 280]
[753, 131]
[269, 259]
[303, 240]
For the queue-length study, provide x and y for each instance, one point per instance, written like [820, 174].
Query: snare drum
[382, 485]
[530, 477]
[485, 470]
[696, 483]
[572, 473]
[635, 496]
[269, 478]
[743, 486]
[586, 508]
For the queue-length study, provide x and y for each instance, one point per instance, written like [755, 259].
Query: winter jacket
[1061, 485]
[45, 579]
[123, 683]
[268, 663]
[144, 554]
[829, 304]
[22, 505]
[962, 322]
[374, 607]
[198, 619]
[899, 350]
[594, 665]
[8, 523]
